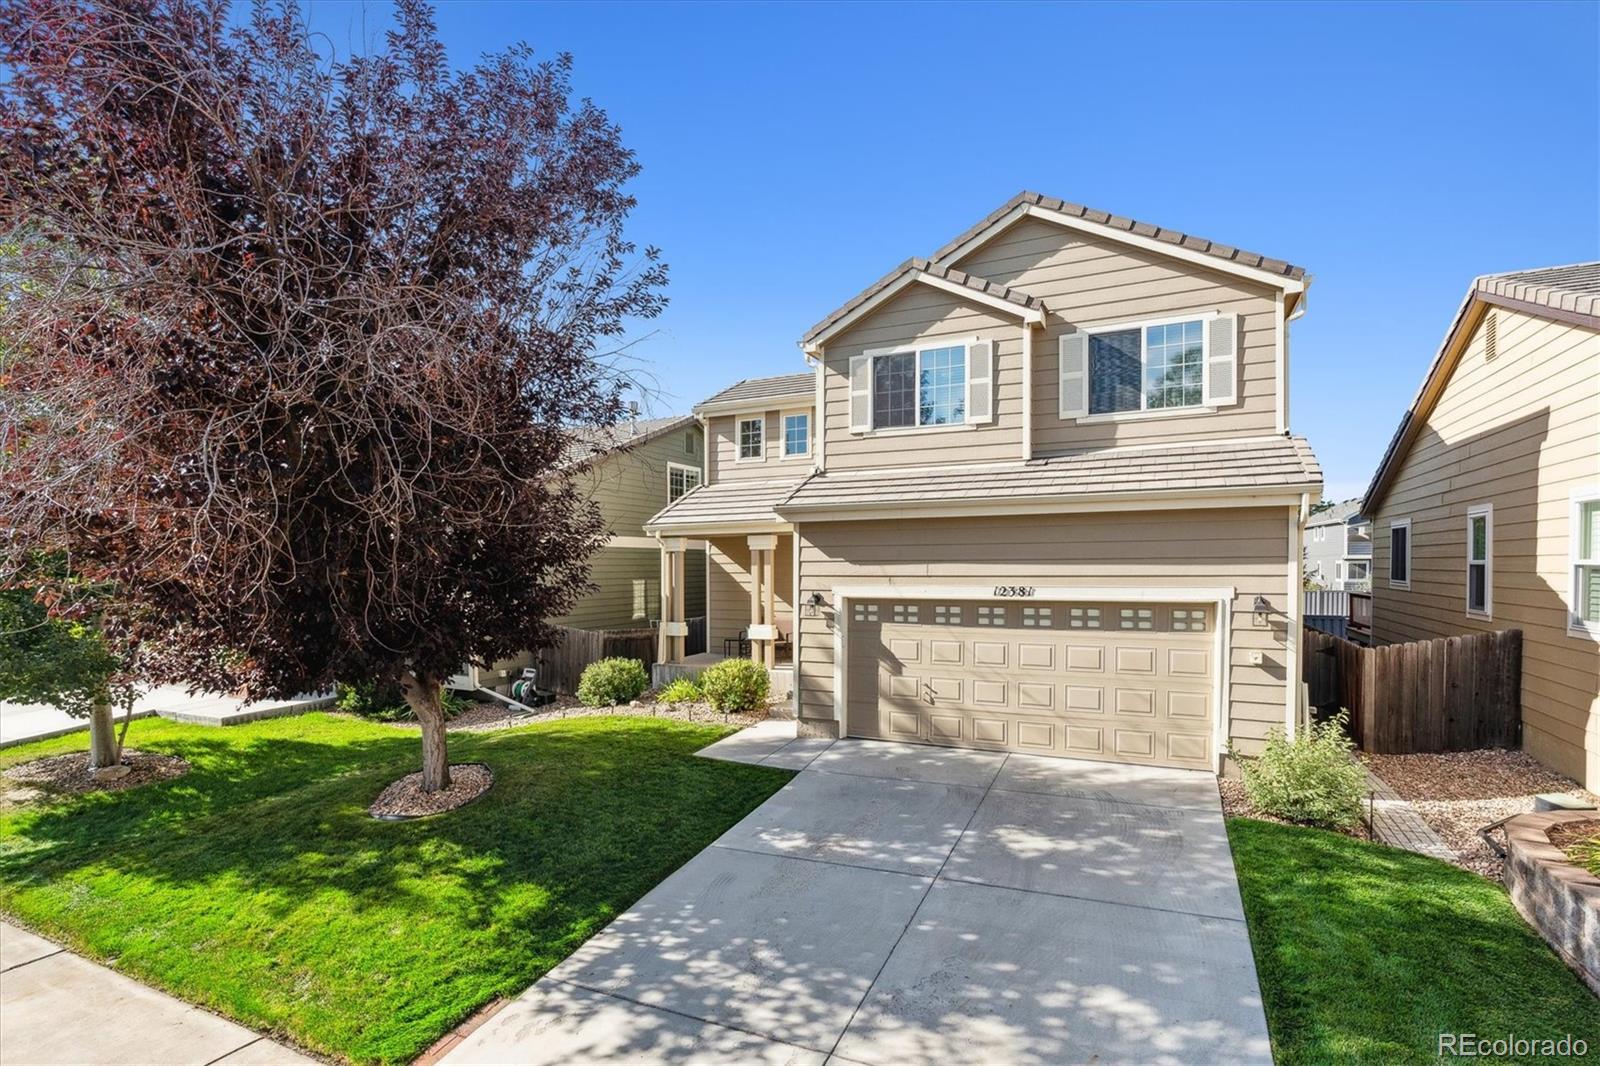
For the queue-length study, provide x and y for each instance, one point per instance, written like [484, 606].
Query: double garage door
[1125, 682]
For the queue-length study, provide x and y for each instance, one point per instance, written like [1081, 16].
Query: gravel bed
[1460, 792]
[646, 707]
[1235, 804]
[405, 798]
[69, 775]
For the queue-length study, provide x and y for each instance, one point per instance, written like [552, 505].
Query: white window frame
[673, 468]
[1349, 576]
[1143, 411]
[1484, 511]
[783, 425]
[1338, 571]
[738, 439]
[1576, 626]
[917, 350]
[1405, 524]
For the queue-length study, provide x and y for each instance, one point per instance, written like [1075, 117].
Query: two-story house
[1487, 502]
[1338, 548]
[1051, 502]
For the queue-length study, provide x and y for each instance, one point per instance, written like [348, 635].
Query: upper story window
[1584, 536]
[796, 435]
[688, 442]
[752, 438]
[1480, 537]
[1158, 366]
[680, 479]
[927, 387]
[1400, 553]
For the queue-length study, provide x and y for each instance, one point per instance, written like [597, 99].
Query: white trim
[1577, 627]
[1280, 362]
[1057, 593]
[1294, 604]
[763, 542]
[699, 479]
[738, 439]
[1400, 523]
[916, 349]
[1172, 499]
[632, 542]
[1026, 314]
[819, 405]
[797, 624]
[762, 632]
[1166, 248]
[784, 455]
[1027, 389]
[1142, 411]
[672, 544]
[674, 629]
[841, 646]
[1224, 686]
[747, 405]
[911, 276]
[702, 528]
[855, 314]
[1486, 512]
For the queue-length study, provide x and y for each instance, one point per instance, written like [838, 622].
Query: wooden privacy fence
[561, 665]
[1449, 694]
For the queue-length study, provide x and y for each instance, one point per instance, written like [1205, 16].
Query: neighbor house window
[1584, 535]
[688, 443]
[927, 387]
[680, 479]
[1480, 572]
[796, 435]
[1147, 368]
[1400, 553]
[751, 437]
[1358, 571]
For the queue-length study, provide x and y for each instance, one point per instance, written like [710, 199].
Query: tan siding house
[1053, 505]
[1488, 501]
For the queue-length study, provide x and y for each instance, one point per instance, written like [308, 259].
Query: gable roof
[920, 270]
[1569, 294]
[590, 442]
[1337, 515]
[750, 390]
[1267, 465]
[1113, 227]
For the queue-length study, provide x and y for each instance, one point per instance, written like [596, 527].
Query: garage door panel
[1123, 683]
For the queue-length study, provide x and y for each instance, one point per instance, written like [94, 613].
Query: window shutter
[1074, 375]
[1222, 362]
[860, 394]
[980, 381]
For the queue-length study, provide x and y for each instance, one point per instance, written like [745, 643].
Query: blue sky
[793, 153]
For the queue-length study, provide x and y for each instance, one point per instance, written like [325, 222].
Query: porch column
[673, 628]
[762, 574]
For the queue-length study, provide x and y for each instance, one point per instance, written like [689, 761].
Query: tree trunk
[422, 696]
[102, 736]
[122, 733]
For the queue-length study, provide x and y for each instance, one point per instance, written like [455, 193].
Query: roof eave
[1243, 495]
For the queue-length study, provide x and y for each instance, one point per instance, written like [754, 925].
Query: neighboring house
[631, 470]
[1338, 548]
[1051, 503]
[1486, 506]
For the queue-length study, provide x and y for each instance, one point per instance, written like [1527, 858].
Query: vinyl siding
[923, 316]
[1245, 549]
[1087, 281]
[1521, 432]
[728, 580]
[723, 451]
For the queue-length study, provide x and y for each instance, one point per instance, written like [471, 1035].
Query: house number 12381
[1014, 590]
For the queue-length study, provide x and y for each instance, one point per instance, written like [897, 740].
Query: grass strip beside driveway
[1367, 953]
[258, 886]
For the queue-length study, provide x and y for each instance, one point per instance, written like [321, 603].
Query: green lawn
[258, 886]
[1367, 953]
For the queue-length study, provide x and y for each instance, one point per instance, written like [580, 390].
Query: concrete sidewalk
[22, 722]
[57, 1007]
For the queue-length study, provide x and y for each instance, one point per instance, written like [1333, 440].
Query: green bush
[1311, 779]
[681, 690]
[386, 703]
[612, 681]
[735, 685]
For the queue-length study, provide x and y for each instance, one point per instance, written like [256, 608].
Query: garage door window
[905, 612]
[1138, 618]
[947, 616]
[865, 612]
[1036, 616]
[1083, 618]
[991, 616]
[1185, 619]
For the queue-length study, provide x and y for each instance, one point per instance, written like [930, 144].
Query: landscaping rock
[405, 798]
[69, 774]
[113, 773]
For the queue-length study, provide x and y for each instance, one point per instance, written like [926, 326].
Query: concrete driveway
[897, 903]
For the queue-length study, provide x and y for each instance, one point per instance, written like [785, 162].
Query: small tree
[292, 347]
[60, 658]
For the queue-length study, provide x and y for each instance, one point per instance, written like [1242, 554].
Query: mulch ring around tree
[404, 799]
[69, 775]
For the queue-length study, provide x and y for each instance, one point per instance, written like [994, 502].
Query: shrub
[386, 703]
[1311, 779]
[612, 681]
[735, 685]
[681, 690]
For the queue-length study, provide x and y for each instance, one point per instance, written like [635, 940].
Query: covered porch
[749, 597]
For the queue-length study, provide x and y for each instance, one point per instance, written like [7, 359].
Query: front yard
[1368, 954]
[258, 886]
